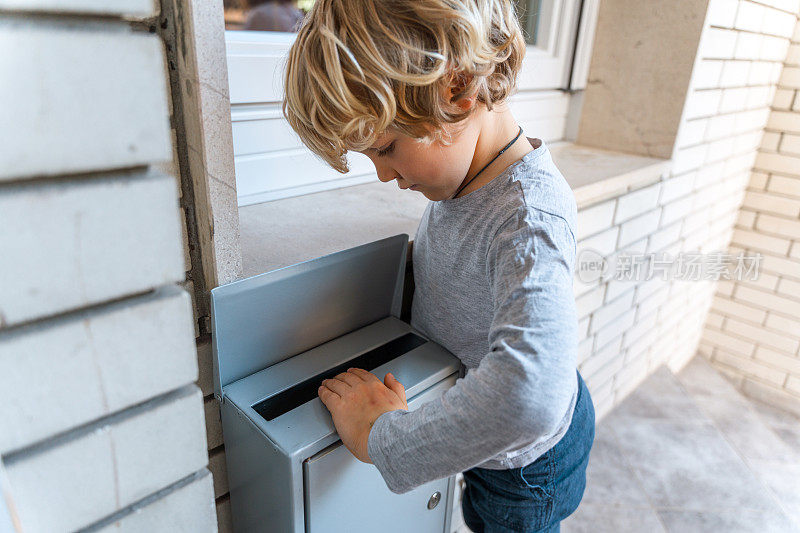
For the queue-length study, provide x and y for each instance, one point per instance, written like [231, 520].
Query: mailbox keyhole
[434, 501]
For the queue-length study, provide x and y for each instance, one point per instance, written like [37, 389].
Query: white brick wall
[752, 332]
[93, 364]
[103, 424]
[111, 97]
[187, 508]
[64, 227]
[72, 484]
[631, 327]
[130, 8]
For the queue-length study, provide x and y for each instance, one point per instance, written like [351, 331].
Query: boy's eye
[386, 150]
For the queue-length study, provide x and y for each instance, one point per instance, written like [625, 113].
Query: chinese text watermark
[687, 266]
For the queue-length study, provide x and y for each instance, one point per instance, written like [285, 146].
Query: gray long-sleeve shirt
[493, 275]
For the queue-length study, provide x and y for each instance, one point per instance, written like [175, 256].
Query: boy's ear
[455, 91]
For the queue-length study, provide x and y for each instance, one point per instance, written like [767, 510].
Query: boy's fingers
[391, 382]
[327, 396]
[336, 385]
[347, 377]
[363, 374]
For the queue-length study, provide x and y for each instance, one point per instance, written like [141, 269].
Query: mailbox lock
[434, 501]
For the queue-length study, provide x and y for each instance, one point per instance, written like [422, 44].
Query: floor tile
[785, 424]
[746, 430]
[774, 416]
[790, 437]
[700, 379]
[751, 428]
[783, 479]
[688, 465]
[608, 478]
[601, 518]
[660, 396]
[731, 521]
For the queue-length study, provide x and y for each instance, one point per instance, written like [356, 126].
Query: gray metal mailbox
[276, 336]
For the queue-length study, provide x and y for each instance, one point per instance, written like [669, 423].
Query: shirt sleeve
[522, 389]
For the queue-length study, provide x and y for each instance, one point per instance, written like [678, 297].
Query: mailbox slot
[306, 391]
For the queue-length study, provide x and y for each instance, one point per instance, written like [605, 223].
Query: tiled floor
[688, 453]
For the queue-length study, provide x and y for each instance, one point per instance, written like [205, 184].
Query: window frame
[548, 63]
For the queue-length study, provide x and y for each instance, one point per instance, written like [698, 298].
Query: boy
[420, 87]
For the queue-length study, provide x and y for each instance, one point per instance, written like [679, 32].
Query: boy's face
[435, 170]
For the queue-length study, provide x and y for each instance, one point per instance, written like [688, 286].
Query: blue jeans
[538, 496]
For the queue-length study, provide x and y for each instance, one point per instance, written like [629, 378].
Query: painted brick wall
[753, 329]
[102, 424]
[629, 327]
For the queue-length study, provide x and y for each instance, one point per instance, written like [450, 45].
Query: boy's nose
[386, 176]
[384, 171]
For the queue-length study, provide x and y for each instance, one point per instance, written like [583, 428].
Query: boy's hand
[356, 399]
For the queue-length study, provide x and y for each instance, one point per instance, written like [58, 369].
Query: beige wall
[641, 66]
[753, 329]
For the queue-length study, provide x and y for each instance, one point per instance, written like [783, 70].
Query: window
[549, 27]
[270, 161]
[264, 15]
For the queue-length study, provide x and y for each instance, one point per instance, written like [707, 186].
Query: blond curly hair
[359, 67]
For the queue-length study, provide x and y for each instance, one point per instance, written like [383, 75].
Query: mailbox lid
[308, 428]
[264, 319]
[342, 494]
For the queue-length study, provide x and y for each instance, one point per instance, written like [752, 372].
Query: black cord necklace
[489, 163]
